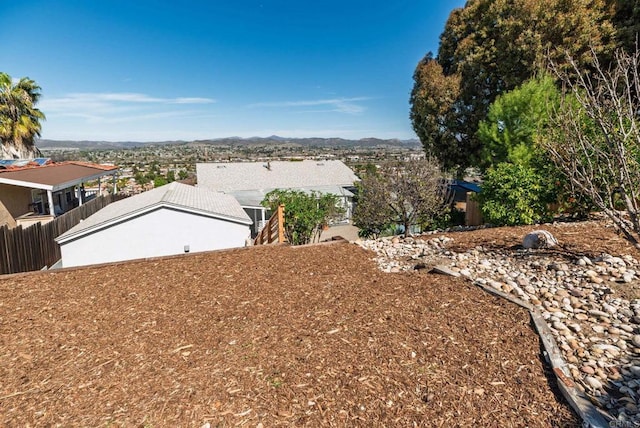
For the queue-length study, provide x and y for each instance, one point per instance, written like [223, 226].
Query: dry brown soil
[275, 336]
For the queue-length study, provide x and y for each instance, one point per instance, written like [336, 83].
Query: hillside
[267, 336]
[233, 141]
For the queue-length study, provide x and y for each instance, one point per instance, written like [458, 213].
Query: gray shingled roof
[173, 195]
[230, 177]
[252, 198]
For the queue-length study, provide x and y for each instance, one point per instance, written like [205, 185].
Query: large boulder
[539, 239]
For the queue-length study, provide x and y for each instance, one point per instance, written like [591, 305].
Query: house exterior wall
[161, 232]
[16, 199]
[256, 215]
[6, 219]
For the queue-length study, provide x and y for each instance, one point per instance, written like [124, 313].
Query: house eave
[31, 185]
[55, 187]
[83, 180]
[68, 237]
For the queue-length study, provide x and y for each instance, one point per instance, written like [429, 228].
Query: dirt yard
[275, 336]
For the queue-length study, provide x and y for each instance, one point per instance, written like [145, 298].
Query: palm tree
[19, 119]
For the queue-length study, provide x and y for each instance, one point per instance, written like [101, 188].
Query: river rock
[635, 370]
[539, 239]
[558, 325]
[573, 298]
[593, 382]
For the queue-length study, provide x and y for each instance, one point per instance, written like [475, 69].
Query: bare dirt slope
[269, 336]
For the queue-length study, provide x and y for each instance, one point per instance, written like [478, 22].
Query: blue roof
[466, 185]
[23, 162]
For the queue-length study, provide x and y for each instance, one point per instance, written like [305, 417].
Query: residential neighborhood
[320, 214]
[223, 210]
[40, 190]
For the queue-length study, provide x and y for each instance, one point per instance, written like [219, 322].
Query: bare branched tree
[405, 193]
[595, 137]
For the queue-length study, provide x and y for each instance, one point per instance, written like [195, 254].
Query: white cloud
[130, 97]
[110, 102]
[78, 110]
[339, 105]
[193, 100]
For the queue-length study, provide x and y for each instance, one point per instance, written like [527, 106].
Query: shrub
[304, 213]
[515, 194]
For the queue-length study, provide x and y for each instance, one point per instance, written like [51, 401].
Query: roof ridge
[168, 192]
[167, 196]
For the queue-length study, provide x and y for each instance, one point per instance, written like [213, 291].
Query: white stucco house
[172, 219]
[249, 182]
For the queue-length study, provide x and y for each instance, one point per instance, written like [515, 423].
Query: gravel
[597, 331]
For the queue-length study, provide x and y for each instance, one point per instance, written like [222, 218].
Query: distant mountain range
[232, 141]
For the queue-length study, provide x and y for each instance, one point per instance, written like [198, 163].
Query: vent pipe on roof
[269, 165]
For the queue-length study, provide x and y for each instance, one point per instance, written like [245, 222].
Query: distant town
[144, 166]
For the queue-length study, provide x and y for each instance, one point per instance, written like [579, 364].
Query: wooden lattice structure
[273, 230]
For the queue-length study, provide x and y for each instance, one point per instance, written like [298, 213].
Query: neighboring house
[172, 219]
[249, 182]
[38, 189]
[460, 189]
[463, 201]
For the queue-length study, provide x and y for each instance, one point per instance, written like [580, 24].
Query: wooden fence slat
[281, 237]
[17, 254]
[39, 246]
[11, 252]
[273, 231]
[30, 247]
[4, 246]
[34, 247]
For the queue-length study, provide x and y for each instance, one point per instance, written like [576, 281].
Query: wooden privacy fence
[273, 231]
[34, 247]
[473, 215]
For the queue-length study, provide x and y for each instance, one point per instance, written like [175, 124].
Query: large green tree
[20, 120]
[490, 47]
[519, 183]
[514, 121]
[433, 112]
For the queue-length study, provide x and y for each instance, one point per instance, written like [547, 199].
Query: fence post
[473, 215]
[4, 250]
[281, 237]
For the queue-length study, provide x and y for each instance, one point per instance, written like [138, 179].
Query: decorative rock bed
[598, 333]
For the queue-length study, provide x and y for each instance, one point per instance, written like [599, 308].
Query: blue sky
[154, 71]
